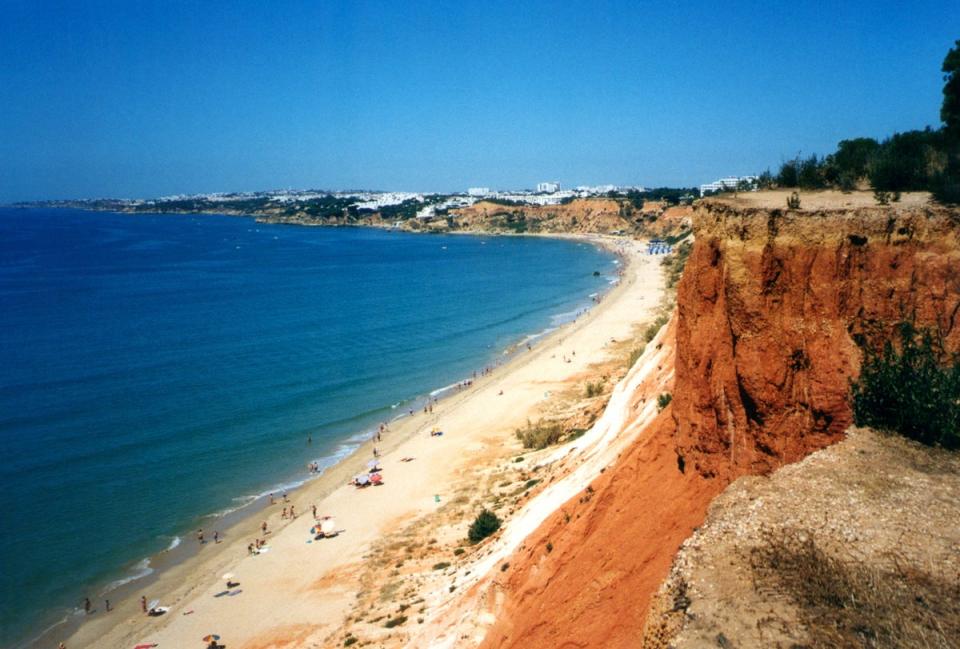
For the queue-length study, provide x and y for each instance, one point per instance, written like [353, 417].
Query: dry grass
[847, 603]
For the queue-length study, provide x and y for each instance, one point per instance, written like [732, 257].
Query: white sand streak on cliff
[584, 458]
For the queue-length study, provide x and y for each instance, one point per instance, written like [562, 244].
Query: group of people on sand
[254, 547]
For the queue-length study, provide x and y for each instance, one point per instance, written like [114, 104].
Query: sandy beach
[300, 590]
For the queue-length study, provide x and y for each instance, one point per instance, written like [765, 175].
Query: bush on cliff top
[912, 388]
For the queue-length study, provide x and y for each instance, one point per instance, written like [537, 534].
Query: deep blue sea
[157, 369]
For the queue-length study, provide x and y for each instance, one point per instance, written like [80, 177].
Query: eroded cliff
[772, 310]
[772, 313]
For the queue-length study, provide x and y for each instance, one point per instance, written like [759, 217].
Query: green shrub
[594, 389]
[350, 641]
[636, 354]
[540, 435]
[443, 565]
[485, 524]
[396, 621]
[651, 331]
[882, 198]
[458, 551]
[664, 400]
[676, 262]
[913, 390]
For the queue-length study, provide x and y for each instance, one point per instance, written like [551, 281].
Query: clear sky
[140, 99]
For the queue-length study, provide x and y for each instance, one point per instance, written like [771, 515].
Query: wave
[173, 544]
[140, 570]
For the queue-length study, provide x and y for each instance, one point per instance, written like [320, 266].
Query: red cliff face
[772, 308]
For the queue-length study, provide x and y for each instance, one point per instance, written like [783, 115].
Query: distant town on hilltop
[396, 204]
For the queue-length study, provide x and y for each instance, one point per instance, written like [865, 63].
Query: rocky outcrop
[772, 312]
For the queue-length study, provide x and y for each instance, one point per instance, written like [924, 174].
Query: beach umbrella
[376, 478]
[372, 463]
[211, 638]
[328, 526]
[363, 479]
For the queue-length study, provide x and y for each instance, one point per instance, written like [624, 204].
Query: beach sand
[299, 591]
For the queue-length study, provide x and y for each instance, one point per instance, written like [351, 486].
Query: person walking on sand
[86, 605]
[143, 603]
[106, 604]
[314, 512]
[283, 514]
[292, 514]
[263, 527]
[200, 535]
[216, 536]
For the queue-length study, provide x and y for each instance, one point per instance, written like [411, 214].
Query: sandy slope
[298, 592]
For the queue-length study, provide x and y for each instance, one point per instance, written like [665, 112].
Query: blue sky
[140, 99]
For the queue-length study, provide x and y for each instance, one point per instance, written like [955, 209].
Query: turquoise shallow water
[157, 369]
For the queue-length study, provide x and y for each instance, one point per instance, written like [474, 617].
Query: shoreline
[173, 564]
[183, 585]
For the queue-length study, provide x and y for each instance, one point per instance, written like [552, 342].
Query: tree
[950, 111]
[789, 173]
[853, 156]
[810, 175]
[901, 163]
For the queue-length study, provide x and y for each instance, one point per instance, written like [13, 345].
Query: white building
[548, 187]
[478, 191]
[730, 182]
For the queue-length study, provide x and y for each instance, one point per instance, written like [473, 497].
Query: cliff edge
[772, 311]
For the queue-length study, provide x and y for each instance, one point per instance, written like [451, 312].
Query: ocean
[158, 371]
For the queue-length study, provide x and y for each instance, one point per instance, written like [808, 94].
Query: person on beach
[292, 513]
[283, 514]
[263, 527]
[86, 605]
[285, 497]
[271, 499]
[106, 604]
[250, 548]
[200, 535]
[216, 536]
[143, 603]
[309, 439]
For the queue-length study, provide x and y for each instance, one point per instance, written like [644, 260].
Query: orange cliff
[772, 313]
[771, 309]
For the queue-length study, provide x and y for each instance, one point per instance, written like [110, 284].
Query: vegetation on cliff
[913, 390]
[485, 524]
[918, 160]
